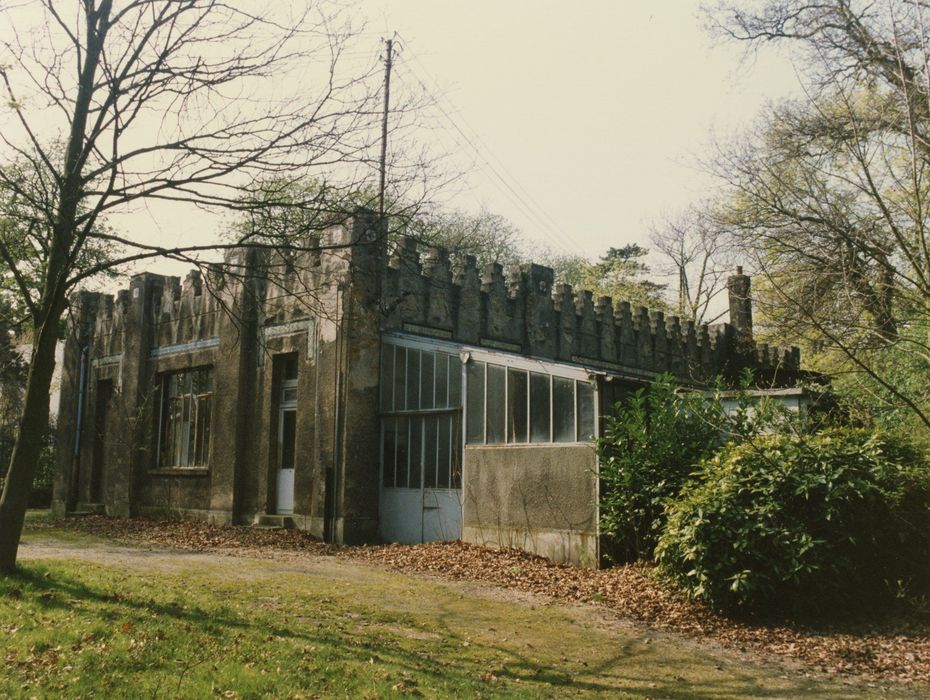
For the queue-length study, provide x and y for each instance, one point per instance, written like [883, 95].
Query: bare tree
[696, 259]
[194, 102]
[829, 195]
[489, 237]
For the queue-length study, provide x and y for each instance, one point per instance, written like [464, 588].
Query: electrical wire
[501, 176]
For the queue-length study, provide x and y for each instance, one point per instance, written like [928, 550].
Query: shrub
[797, 523]
[43, 480]
[40, 495]
[649, 448]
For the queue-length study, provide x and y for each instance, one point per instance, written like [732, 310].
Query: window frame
[471, 353]
[391, 416]
[551, 370]
[188, 432]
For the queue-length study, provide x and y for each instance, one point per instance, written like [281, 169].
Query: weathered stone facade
[132, 443]
[525, 312]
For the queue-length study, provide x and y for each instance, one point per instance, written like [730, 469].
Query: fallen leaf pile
[188, 534]
[891, 648]
[894, 649]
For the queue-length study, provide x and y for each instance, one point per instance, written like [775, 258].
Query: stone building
[368, 396]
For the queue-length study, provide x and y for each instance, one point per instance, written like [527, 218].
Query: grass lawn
[89, 619]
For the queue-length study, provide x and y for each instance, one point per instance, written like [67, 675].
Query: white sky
[596, 109]
[593, 111]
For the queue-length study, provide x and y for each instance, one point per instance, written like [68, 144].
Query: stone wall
[321, 305]
[539, 498]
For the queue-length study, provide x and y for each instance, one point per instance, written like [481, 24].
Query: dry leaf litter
[891, 648]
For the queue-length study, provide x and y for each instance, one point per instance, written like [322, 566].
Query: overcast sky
[582, 121]
[594, 111]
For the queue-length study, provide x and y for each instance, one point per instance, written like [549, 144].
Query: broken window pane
[204, 410]
[585, 411]
[563, 410]
[185, 418]
[496, 383]
[540, 408]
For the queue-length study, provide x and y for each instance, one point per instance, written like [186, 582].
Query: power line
[554, 236]
[548, 227]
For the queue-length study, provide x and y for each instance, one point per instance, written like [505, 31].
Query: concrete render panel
[563, 546]
[543, 497]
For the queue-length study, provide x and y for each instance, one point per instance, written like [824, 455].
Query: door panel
[287, 431]
[401, 515]
[442, 514]
[421, 398]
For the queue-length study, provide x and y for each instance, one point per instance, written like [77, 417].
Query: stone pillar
[738, 286]
[467, 300]
[541, 338]
[234, 462]
[356, 392]
[136, 393]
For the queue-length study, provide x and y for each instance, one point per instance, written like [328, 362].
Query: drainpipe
[78, 428]
[337, 421]
[599, 379]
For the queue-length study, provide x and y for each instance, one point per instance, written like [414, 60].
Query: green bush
[43, 480]
[798, 523]
[649, 448]
[40, 495]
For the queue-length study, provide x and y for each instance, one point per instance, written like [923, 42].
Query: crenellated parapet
[522, 310]
[427, 292]
[178, 313]
[177, 393]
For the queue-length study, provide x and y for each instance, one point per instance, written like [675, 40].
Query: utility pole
[389, 56]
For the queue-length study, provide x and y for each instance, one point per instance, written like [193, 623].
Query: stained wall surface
[328, 306]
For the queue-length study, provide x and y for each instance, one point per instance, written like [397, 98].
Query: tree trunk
[34, 421]
[28, 447]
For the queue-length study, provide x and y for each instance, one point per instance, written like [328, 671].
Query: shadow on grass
[630, 668]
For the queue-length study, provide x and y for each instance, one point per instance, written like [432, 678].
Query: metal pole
[389, 55]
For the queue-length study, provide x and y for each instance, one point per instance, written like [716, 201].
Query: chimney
[740, 302]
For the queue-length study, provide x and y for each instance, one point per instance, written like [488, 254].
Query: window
[511, 405]
[186, 400]
[421, 402]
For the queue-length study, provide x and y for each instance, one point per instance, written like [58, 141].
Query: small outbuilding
[367, 394]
